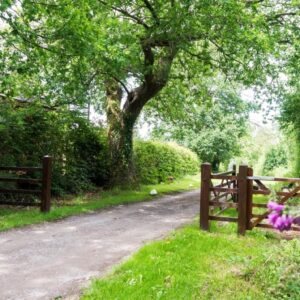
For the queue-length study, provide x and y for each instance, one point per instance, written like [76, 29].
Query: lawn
[192, 264]
[17, 217]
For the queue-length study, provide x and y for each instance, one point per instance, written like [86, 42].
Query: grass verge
[17, 217]
[191, 264]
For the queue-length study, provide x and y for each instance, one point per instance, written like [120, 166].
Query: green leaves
[212, 130]
[64, 51]
[5, 4]
[66, 44]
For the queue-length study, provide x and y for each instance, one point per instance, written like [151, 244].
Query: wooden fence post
[234, 196]
[46, 184]
[205, 195]
[242, 199]
[249, 198]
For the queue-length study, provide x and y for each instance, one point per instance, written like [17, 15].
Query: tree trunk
[120, 138]
[215, 165]
[121, 120]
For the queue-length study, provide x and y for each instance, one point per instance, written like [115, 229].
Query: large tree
[124, 52]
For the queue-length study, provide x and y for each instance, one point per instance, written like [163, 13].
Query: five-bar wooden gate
[236, 190]
[44, 183]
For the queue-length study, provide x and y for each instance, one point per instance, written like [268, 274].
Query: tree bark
[120, 134]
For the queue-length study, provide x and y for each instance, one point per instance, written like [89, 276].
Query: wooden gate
[43, 183]
[291, 190]
[237, 190]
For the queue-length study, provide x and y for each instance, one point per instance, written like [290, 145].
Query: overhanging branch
[152, 11]
[127, 14]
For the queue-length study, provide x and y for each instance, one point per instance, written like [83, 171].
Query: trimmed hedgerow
[156, 161]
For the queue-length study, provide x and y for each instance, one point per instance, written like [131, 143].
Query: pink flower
[272, 218]
[283, 222]
[288, 221]
[279, 224]
[279, 220]
[275, 206]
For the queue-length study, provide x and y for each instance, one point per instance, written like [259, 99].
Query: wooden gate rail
[44, 193]
[241, 187]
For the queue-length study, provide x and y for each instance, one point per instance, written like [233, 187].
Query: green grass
[190, 264]
[17, 217]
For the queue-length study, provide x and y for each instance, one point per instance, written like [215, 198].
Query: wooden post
[242, 199]
[249, 198]
[234, 196]
[46, 184]
[205, 195]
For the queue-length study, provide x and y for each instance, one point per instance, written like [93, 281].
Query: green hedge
[156, 161]
[79, 148]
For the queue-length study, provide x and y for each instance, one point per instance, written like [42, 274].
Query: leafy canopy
[65, 51]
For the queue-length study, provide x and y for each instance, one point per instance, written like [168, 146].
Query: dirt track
[58, 259]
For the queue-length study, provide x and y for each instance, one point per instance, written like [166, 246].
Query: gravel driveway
[58, 259]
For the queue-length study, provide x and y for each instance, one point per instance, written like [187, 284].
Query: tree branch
[21, 100]
[127, 14]
[155, 79]
[122, 84]
[152, 11]
[23, 37]
[253, 2]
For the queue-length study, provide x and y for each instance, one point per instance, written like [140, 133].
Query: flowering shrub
[282, 217]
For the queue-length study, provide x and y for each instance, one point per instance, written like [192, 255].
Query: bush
[79, 149]
[275, 157]
[156, 161]
[85, 159]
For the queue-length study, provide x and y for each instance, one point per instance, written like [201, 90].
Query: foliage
[157, 161]
[257, 145]
[297, 164]
[290, 121]
[87, 42]
[275, 157]
[79, 149]
[85, 203]
[213, 131]
[289, 96]
[64, 51]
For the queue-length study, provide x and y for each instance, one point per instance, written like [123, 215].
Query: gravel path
[58, 259]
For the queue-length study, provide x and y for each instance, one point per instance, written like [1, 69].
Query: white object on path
[153, 192]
